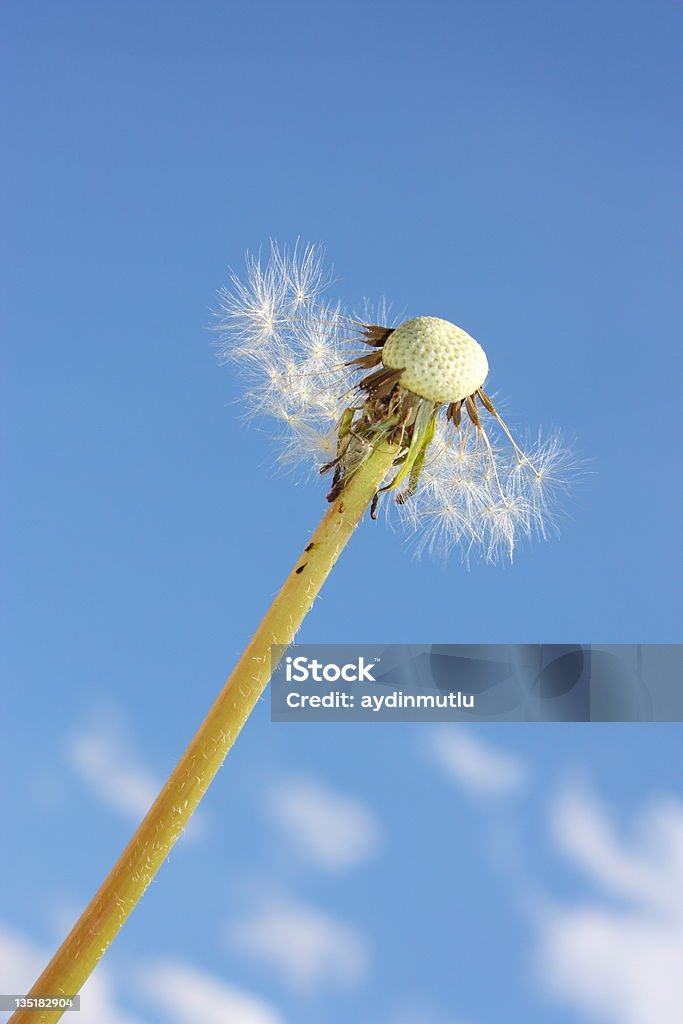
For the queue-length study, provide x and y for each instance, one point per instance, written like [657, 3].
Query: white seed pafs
[440, 361]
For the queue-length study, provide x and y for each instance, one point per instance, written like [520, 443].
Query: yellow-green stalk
[123, 887]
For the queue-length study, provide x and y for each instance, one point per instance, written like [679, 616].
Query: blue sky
[510, 167]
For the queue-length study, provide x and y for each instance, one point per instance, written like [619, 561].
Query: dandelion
[386, 411]
[459, 477]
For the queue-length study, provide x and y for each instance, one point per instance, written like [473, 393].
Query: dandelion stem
[150, 845]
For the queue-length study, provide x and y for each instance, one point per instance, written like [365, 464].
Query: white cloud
[478, 767]
[187, 995]
[309, 949]
[107, 766]
[21, 961]
[617, 957]
[582, 829]
[103, 758]
[326, 829]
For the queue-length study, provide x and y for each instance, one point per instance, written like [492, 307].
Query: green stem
[103, 918]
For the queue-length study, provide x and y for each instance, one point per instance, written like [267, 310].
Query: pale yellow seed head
[440, 361]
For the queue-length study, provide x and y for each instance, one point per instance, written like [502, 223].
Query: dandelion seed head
[440, 361]
[459, 482]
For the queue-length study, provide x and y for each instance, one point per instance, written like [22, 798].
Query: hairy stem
[124, 885]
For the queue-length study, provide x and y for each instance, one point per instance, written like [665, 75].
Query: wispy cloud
[641, 871]
[325, 828]
[476, 766]
[104, 760]
[618, 955]
[109, 769]
[22, 960]
[187, 995]
[309, 949]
